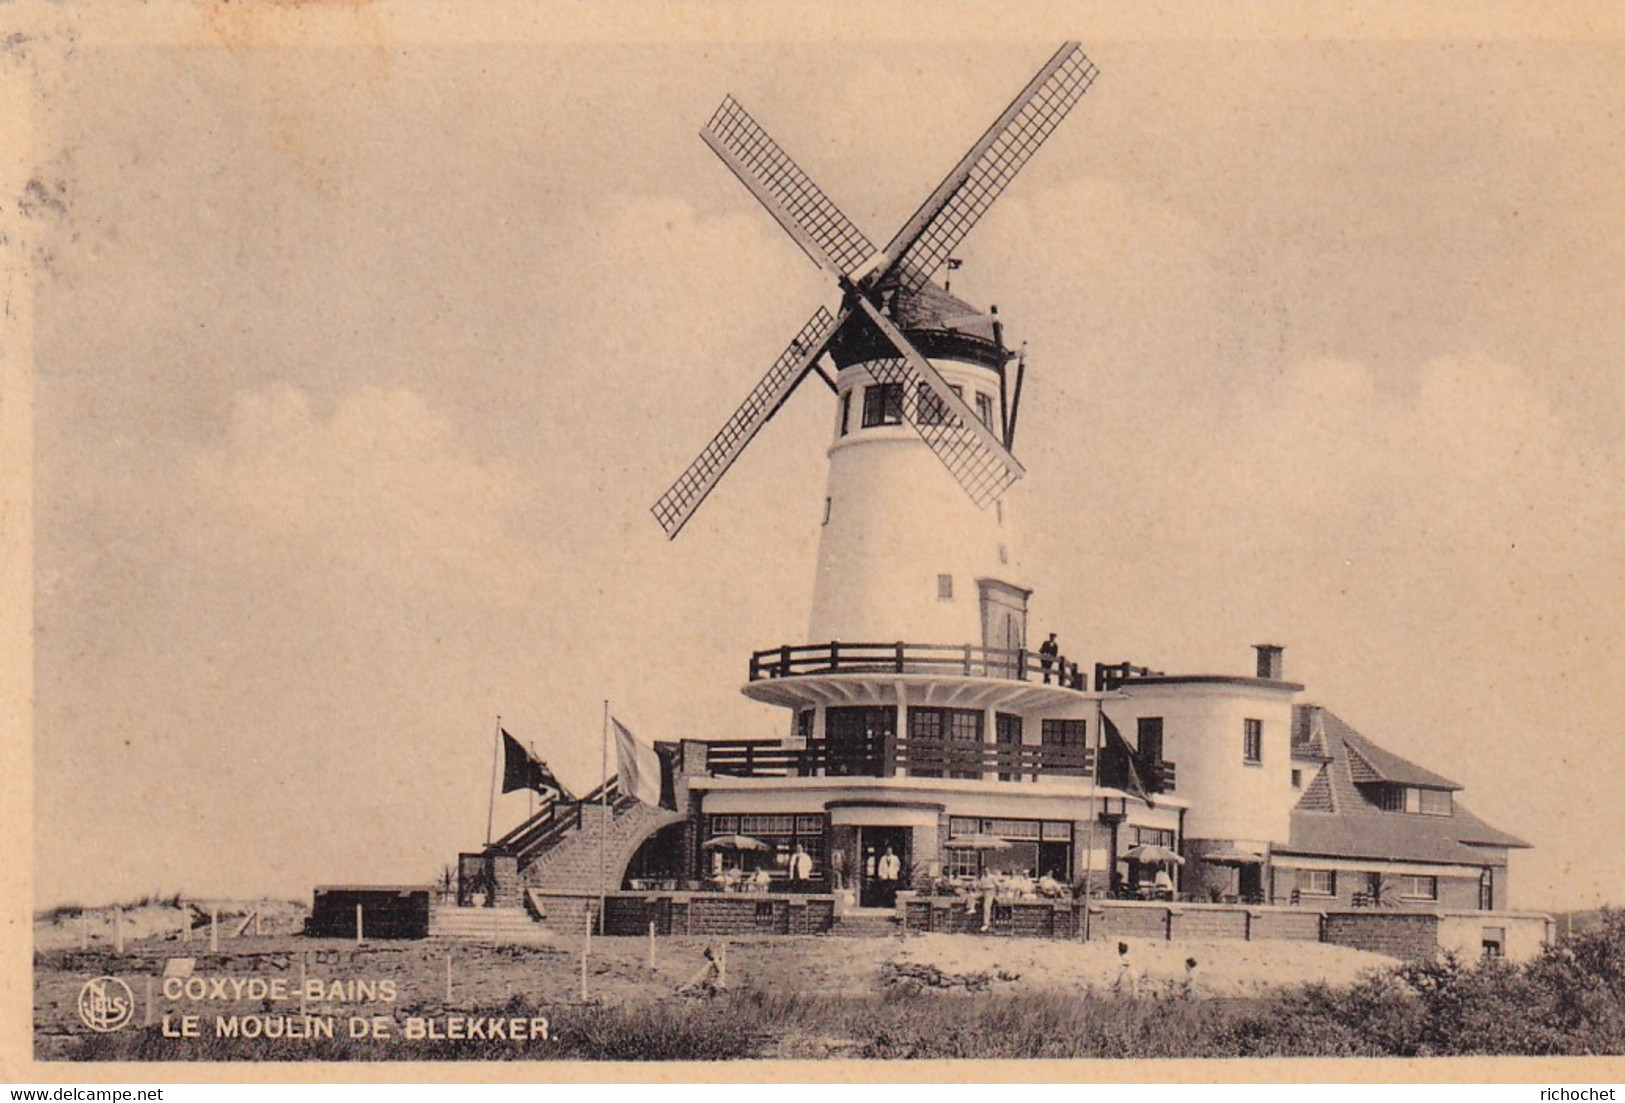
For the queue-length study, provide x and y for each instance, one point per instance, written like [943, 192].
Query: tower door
[1004, 622]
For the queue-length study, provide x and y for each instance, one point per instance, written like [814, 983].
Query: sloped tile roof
[1334, 818]
[1388, 766]
[1394, 836]
[1474, 831]
[1309, 732]
[1317, 796]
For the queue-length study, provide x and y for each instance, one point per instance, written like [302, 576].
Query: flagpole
[491, 807]
[1094, 819]
[603, 826]
[530, 792]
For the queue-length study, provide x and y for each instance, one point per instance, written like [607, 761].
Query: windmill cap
[940, 324]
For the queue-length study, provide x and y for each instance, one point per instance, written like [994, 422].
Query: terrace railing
[1019, 664]
[885, 756]
[1108, 676]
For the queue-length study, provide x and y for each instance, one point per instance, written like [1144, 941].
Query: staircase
[485, 925]
[570, 850]
[867, 923]
[572, 860]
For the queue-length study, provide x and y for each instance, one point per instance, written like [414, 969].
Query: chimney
[1269, 660]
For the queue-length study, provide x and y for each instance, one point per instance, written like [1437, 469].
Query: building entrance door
[1055, 860]
[1251, 883]
[884, 865]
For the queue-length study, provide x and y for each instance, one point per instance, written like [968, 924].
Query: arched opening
[658, 862]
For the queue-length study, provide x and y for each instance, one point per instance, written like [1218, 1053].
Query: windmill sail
[966, 447]
[678, 504]
[927, 240]
[976, 456]
[789, 194]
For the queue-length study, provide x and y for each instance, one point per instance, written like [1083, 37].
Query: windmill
[883, 289]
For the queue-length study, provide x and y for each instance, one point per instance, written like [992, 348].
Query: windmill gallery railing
[885, 756]
[1018, 664]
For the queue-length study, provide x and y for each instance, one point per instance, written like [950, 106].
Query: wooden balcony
[888, 757]
[1020, 664]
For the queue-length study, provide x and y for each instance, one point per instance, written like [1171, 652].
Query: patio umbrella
[1232, 856]
[733, 842]
[978, 842]
[1151, 854]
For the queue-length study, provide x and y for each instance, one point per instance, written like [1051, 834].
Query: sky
[360, 353]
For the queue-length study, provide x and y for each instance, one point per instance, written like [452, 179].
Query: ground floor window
[779, 834]
[1035, 848]
[1317, 882]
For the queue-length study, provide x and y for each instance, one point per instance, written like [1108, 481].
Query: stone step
[484, 924]
[866, 926]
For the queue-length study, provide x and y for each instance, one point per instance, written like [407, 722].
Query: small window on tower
[945, 587]
[1252, 741]
[1297, 779]
[1004, 554]
[882, 404]
[932, 410]
[828, 505]
[846, 412]
[984, 409]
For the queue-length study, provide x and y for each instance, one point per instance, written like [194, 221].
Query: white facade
[1204, 724]
[903, 547]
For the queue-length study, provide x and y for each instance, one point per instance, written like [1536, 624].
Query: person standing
[888, 869]
[1048, 651]
[800, 869]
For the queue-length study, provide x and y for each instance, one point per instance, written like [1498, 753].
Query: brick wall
[1124, 921]
[706, 914]
[1209, 923]
[1300, 925]
[1409, 936]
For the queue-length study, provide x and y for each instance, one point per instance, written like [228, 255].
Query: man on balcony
[1048, 651]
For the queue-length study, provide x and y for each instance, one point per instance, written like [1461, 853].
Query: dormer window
[1415, 800]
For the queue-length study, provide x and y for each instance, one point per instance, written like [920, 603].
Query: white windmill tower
[926, 413]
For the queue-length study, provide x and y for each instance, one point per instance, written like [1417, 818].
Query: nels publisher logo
[106, 1004]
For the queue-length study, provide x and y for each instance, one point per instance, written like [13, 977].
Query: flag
[521, 770]
[1120, 746]
[646, 773]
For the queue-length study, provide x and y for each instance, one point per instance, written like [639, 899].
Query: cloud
[379, 486]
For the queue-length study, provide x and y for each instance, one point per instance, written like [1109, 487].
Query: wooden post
[586, 948]
[147, 1019]
[448, 976]
[214, 928]
[360, 930]
[651, 943]
[259, 927]
[118, 930]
